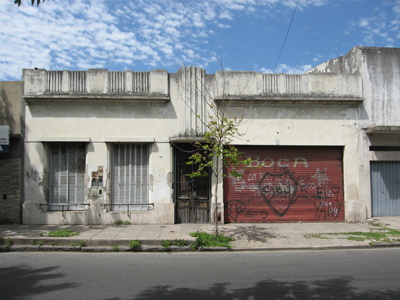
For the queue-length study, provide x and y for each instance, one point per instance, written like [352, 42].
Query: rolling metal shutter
[385, 188]
[130, 176]
[287, 184]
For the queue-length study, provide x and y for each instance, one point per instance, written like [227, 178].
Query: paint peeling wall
[380, 72]
[328, 107]
[98, 108]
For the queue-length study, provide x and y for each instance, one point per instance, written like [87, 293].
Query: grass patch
[377, 235]
[115, 248]
[356, 238]
[63, 233]
[180, 243]
[204, 239]
[122, 223]
[9, 242]
[135, 245]
[80, 244]
[177, 242]
[166, 244]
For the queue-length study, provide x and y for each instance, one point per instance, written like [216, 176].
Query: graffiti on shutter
[286, 184]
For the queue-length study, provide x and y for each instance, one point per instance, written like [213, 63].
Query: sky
[142, 35]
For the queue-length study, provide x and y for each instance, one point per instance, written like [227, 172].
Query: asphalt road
[344, 274]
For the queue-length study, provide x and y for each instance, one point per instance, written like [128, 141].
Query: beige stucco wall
[99, 123]
[315, 109]
[311, 126]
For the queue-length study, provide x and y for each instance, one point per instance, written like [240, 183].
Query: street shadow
[17, 283]
[252, 233]
[335, 288]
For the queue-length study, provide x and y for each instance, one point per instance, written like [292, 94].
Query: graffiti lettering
[33, 175]
[270, 193]
[235, 208]
[269, 162]
[321, 176]
[238, 208]
[300, 160]
[327, 203]
[279, 190]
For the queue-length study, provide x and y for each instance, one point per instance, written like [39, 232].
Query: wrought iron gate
[192, 196]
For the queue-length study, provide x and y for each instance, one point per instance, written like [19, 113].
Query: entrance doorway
[192, 196]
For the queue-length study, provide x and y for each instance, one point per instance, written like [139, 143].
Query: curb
[159, 249]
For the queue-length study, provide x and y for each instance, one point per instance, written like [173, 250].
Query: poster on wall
[287, 184]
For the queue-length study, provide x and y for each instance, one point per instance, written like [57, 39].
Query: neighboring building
[11, 152]
[107, 146]
[378, 140]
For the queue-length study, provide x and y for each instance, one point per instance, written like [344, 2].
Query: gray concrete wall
[380, 72]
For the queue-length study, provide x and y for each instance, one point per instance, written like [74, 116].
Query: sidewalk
[248, 236]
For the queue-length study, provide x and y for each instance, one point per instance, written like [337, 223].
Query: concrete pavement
[248, 236]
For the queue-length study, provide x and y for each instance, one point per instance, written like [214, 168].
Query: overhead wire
[287, 33]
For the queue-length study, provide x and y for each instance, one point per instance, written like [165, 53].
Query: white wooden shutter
[67, 168]
[130, 176]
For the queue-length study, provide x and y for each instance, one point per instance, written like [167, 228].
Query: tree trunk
[216, 198]
[216, 207]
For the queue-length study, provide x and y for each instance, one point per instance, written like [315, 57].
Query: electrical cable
[287, 33]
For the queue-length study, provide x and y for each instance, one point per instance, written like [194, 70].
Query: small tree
[216, 152]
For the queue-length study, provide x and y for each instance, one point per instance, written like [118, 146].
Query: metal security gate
[287, 184]
[192, 196]
[385, 188]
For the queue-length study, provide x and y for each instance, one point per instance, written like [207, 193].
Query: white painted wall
[329, 106]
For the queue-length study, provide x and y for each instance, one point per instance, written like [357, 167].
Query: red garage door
[287, 184]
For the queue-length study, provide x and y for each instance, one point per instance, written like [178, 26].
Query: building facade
[106, 146]
[11, 152]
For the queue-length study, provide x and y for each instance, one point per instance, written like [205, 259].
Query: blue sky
[141, 35]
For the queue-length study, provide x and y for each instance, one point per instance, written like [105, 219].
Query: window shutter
[67, 168]
[130, 176]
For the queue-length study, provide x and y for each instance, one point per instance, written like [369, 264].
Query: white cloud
[381, 28]
[197, 20]
[282, 68]
[225, 15]
[102, 33]
[364, 22]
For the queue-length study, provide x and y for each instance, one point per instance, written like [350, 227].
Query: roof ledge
[187, 139]
[383, 129]
[293, 99]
